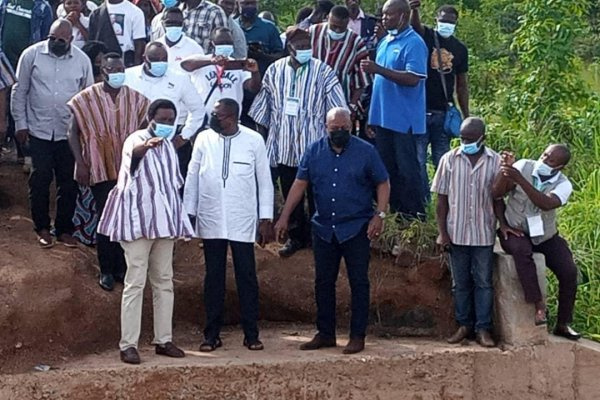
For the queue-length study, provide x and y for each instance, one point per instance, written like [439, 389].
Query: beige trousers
[152, 258]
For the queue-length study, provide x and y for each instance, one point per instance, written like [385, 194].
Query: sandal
[255, 345]
[208, 346]
[540, 317]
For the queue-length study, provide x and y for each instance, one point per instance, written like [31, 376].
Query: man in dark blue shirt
[343, 171]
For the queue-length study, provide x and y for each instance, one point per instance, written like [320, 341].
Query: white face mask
[445, 29]
[543, 169]
[333, 35]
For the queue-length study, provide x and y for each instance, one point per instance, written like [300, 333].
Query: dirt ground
[52, 310]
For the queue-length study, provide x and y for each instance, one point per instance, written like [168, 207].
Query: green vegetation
[535, 77]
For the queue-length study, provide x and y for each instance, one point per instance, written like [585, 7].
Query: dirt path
[52, 309]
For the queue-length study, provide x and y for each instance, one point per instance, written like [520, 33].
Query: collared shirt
[343, 56]
[264, 33]
[342, 185]
[181, 50]
[45, 84]
[173, 86]
[240, 48]
[200, 22]
[471, 220]
[405, 52]
[355, 25]
[145, 203]
[229, 186]
[563, 190]
[316, 89]
[104, 125]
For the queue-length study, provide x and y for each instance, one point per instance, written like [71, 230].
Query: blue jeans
[440, 144]
[398, 152]
[472, 268]
[356, 253]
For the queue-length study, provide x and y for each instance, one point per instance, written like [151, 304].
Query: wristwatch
[380, 214]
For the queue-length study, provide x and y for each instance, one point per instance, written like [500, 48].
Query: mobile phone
[235, 64]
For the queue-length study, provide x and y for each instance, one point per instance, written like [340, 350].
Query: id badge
[536, 226]
[292, 106]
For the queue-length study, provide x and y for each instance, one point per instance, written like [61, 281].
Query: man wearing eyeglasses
[448, 60]
[49, 74]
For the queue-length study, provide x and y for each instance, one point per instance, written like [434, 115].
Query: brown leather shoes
[484, 338]
[461, 334]
[170, 350]
[317, 343]
[130, 356]
[355, 345]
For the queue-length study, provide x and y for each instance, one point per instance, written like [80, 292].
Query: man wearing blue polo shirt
[398, 105]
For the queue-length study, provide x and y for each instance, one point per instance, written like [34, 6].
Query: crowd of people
[171, 120]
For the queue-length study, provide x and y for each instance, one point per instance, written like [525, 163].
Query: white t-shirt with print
[78, 38]
[128, 23]
[232, 84]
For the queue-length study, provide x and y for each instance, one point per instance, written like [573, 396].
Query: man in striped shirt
[466, 223]
[144, 212]
[296, 94]
[103, 116]
[342, 49]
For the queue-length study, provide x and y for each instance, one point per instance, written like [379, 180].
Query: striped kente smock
[318, 90]
[343, 56]
[104, 125]
[146, 203]
[471, 220]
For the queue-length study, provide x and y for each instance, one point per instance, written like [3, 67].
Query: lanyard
[297, 76]
[220, 72]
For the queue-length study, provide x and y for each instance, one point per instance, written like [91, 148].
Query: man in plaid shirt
[200, 18]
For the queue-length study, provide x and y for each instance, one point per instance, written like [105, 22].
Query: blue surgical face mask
[163, 130]
[174, 33]
[445, 29]
[116, 79]
[543, 169]
[303, 56]
[225, 50]
[158, 68]
[169, 3]
[471, 148]
[333, 35]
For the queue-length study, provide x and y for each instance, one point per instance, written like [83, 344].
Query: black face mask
[215, 123]
[340, 137]
[58, 47]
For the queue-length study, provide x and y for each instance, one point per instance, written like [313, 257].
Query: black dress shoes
[130, 356]
[318, 342]
[567, 332]
[107, 282]
[289, 248]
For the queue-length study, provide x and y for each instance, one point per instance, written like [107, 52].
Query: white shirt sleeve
[519, 165]
[192, 101]
[563, 191]
[264, 181]
[138, 24]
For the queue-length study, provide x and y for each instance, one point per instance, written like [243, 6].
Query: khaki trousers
[152, 258]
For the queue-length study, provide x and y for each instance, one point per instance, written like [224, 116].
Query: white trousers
[152, 258]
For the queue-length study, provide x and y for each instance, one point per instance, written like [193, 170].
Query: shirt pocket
[242, 167]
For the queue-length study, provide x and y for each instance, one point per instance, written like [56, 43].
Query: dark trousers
[399, 154]
[558, 258]
[472, 271]
[51, 160]
[215, 256]
[299, 222]
[184, 154]
[110, 254]
[440, 144]
[356, 254]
